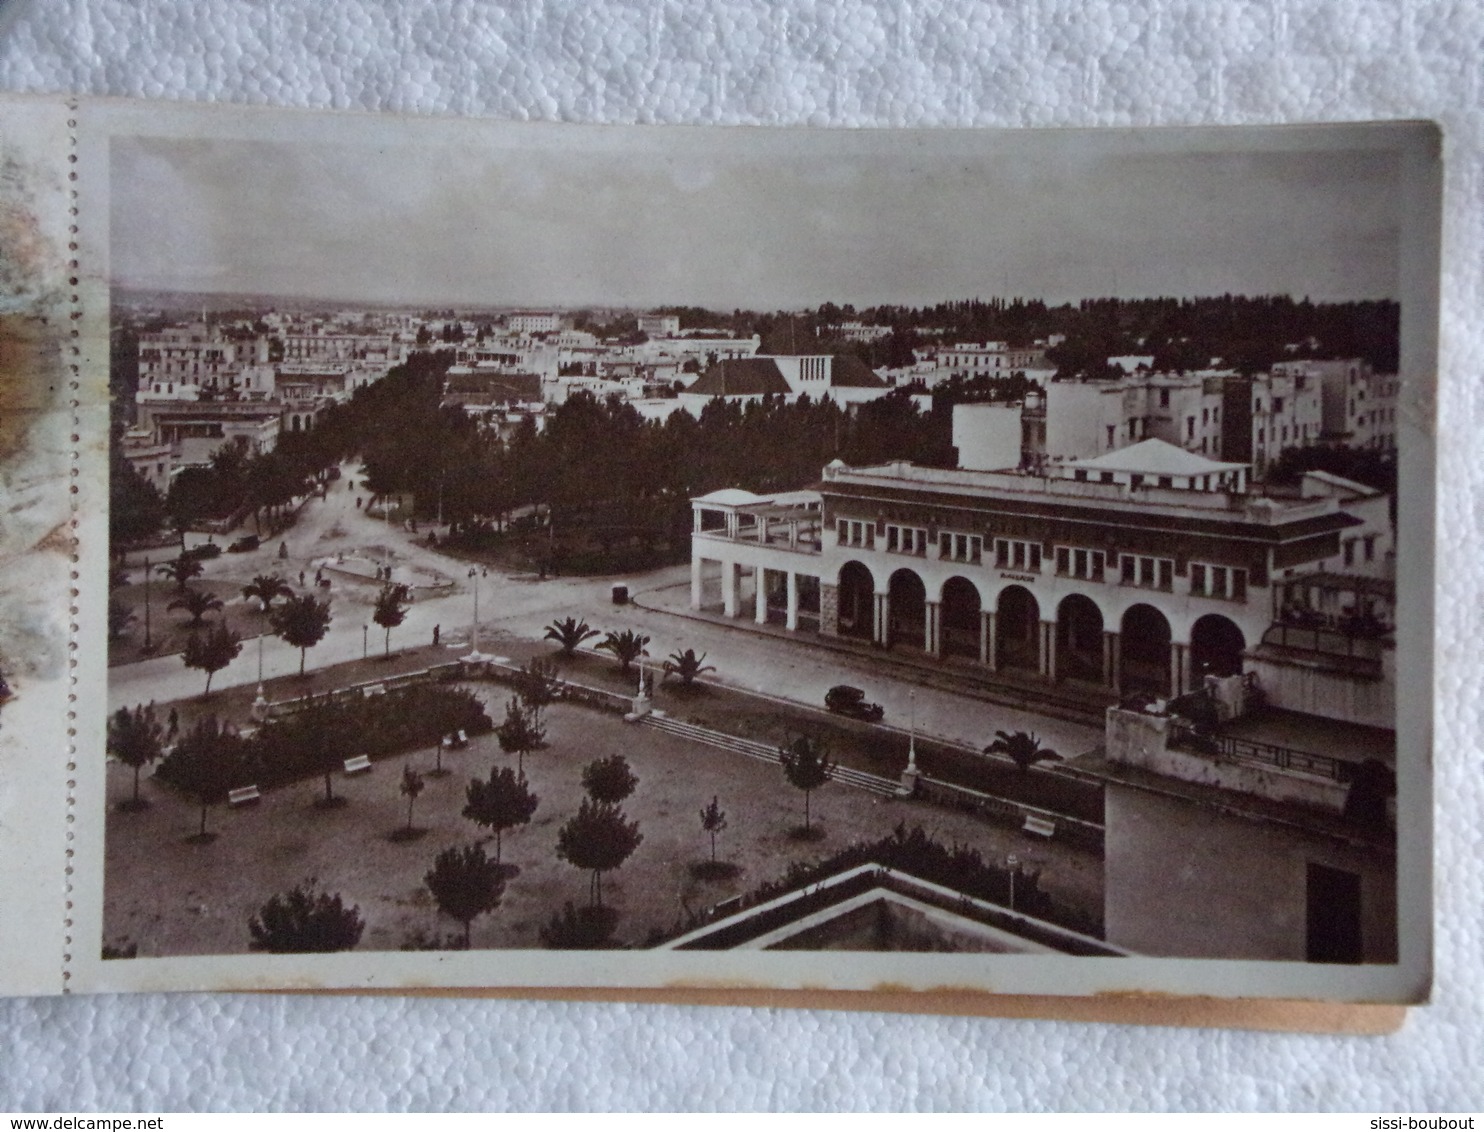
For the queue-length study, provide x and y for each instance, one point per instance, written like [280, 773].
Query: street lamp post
[908, 785]
[912, 734]
[476, 573]
[1012, 864]
[148, 644]
[365, 640]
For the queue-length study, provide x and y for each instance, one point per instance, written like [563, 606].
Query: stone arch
[906, 609]
[1144, 650]
[1018, 629]
[1079, 640]
[960, 618]
[857, 602]
[1216, 647]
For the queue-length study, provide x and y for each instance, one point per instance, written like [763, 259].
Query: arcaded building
[1142, 570]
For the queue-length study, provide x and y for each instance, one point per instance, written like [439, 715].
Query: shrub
[292, 747]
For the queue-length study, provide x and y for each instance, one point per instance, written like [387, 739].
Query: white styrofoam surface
[954, 62]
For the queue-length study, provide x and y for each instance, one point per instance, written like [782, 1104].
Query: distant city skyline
[753, 222]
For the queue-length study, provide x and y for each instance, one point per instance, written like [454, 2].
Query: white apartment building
[194, 355]
[533, 322]
[989, 359]
[659, 325]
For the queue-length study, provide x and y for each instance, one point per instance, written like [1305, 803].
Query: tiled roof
[850, 372]
[739, 377]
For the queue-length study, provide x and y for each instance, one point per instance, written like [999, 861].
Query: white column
[883, 619]
[695, 581]
[990, 644]
[793, 602]
[1048, 649]
[760, 598]
[729, 589]
[933, 628]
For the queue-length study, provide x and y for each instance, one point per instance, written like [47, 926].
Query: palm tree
[266, 587]
[198, 604]
[181, 569]
[570, 633]
[627, 646]
[687, 665]
[1023, 748]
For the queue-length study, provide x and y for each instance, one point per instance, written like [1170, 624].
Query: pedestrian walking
[283, 550]
[174, 723]
[358, 503]
[437, 630]
[301, 577]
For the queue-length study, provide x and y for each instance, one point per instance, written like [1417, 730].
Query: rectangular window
[1350, 552]
[1136, 480]
[1063, 560]
[1148, 573]
[1164, 398]
[1012, 554]
[1189, 428]
[1370, 548]
[1198, 583]
[1111, 437]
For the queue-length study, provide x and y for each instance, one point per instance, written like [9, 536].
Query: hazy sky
[754, 227]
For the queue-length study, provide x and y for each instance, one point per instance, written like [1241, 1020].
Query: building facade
[1148, 580]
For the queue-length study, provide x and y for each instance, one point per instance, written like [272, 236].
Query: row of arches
[1070, 642]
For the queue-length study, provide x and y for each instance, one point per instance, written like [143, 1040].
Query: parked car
[203, 550]
[244, 544]
[845, 700]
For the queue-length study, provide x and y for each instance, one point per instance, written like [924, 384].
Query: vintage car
[845, 700]
[244, 544]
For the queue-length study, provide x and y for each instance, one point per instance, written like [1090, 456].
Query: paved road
[517, 607]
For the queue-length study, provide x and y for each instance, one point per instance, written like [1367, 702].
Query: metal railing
[1229, 748]
[1326, 641]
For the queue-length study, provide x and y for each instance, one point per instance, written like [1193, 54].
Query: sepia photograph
[953, 548]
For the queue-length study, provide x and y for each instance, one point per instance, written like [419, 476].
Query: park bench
[243, 796]
[1041, 827]
[358, 765]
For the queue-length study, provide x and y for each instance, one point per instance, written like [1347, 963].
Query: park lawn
[235, 701]
[173, 897]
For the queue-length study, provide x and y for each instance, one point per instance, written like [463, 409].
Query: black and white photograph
[984, 554]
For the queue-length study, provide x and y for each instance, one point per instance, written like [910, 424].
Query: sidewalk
[1074, 704]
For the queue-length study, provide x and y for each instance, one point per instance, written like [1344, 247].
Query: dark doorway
[960, 618]
[1017, 629]
[907, 601]
[1144, 651]
[857, 602]
[1334, 916]
[1079, 640]
[1216, 646]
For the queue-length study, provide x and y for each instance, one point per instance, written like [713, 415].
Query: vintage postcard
[522, 556]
